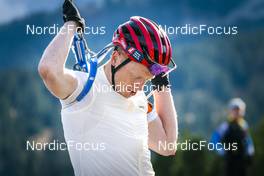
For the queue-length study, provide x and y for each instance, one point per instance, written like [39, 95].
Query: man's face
[234, 113]
[130, 78]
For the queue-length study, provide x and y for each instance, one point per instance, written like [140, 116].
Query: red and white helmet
[145, 42]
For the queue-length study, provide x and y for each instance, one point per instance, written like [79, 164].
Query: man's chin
[128, 94]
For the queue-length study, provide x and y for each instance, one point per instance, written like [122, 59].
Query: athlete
[110, 131]
[235, 131]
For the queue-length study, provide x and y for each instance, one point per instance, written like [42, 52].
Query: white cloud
[11, 11]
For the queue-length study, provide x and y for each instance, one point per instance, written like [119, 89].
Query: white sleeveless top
[106, 133]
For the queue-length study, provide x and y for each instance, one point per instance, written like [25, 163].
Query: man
[110, 132]
[235, 131]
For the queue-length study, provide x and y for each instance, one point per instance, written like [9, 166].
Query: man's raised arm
[163, 131]
[52, 64]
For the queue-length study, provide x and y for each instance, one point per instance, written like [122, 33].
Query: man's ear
[115, 58]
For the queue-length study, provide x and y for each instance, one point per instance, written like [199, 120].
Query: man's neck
[108, 73]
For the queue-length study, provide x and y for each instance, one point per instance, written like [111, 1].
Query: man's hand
[160, 82]
[71, 13]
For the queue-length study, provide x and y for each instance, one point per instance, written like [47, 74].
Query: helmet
[144, 42]
[237, 103]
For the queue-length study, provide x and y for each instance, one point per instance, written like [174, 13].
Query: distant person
[235, 130]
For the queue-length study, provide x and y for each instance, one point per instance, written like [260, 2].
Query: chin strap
[114, 70]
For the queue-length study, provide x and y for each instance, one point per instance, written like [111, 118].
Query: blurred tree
[257, 164]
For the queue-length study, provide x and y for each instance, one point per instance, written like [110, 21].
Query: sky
[16, 9]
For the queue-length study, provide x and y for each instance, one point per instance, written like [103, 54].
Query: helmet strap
[114, 70]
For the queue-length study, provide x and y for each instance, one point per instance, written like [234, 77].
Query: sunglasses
[156, 68]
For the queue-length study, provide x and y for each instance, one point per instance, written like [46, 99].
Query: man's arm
[164, 129]
[52, 64]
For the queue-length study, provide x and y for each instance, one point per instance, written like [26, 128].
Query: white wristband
[152, 115]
